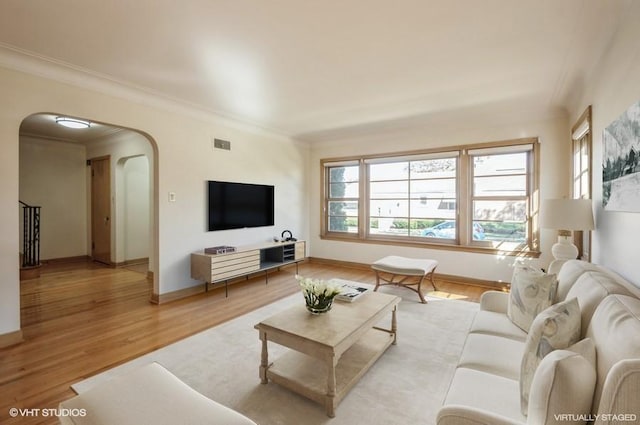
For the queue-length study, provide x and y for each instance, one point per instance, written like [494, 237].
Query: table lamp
[566, 215]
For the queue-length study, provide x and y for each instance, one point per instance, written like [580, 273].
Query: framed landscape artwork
[621, 162]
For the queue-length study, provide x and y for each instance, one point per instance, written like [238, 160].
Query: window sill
[431, 245]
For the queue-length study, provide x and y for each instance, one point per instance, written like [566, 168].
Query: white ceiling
[311, 69]
[44, 125]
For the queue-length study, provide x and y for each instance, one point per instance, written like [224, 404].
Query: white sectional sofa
[150, 395]
[485, 388]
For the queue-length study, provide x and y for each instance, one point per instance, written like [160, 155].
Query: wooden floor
[80, 319]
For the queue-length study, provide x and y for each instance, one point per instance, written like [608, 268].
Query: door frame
[95, 220]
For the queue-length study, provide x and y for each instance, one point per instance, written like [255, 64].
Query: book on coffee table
[350, 290]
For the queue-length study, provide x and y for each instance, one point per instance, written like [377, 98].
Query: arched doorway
[56, 174]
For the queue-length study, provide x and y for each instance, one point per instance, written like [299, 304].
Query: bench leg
[433, 283]
[403, 283]
[423, 300]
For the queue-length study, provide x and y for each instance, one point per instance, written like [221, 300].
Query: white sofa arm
[620, 394]
[495, 301]
[464, 415]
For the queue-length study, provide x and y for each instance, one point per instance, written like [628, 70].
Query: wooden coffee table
[329, 352]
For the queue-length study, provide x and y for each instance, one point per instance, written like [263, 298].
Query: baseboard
[177, 295]
[134, 262]
[441, 276]
[81, 258]
[192, 290]
[31, 272]
[470, 281]
[11, 338]
[340, 263]
[75, 259]
[200, 288]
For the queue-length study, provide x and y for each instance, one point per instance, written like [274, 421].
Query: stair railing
[30, 235]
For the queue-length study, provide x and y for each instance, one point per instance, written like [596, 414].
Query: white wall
[52, 175]
[466, 127]
[136, 199]
[122, 147]
[611, 89]
[183, 162]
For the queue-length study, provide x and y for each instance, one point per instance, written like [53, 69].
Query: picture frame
[621, 162]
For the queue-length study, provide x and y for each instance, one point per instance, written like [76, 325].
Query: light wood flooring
[82, 318]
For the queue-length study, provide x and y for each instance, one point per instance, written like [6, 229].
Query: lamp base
[564, 249]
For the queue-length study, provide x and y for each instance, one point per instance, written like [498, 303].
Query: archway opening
[56, 175]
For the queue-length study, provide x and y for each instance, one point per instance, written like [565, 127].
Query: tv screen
[239, 205]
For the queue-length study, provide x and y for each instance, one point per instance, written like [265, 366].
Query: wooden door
[101, 210]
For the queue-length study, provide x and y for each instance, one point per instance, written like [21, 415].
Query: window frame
[530, 187]
[444, 154]
[582, 141]
[347, 162]
[464, 200]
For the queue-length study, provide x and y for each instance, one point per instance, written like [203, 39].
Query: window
[581, 147]
[581, 174]
[500, 196]
[477, 197]
[406, 197]
[343, 198]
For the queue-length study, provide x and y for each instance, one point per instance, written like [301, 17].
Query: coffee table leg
[264, 358]
[331, 387]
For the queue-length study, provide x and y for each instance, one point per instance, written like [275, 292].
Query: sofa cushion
[492, 354]
[496, 301]
[557, 327]
[590, 289]
[492, 323]
[615, 330]
[568, 274]
[586, 348]
[532, 291]
[484, 391]
[563, 384]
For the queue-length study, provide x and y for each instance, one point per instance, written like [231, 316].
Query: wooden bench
[405, 272]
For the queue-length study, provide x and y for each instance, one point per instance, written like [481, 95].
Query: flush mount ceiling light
[72, 122]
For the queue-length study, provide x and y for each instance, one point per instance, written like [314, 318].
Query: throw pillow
[531, 292]
[586, 348]
[556, 328]
[562, 387]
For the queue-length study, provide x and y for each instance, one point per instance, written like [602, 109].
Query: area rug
[407, 385]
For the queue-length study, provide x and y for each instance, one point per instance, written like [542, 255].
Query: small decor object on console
[222, 249]
[318, 294]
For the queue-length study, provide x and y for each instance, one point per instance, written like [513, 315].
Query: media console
[218, 268]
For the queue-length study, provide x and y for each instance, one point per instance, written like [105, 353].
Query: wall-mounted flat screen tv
[240, 205]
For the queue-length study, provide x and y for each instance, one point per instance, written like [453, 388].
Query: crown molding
[43, 137]
[38, 65]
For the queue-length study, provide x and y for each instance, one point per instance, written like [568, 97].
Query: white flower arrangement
[318, 294]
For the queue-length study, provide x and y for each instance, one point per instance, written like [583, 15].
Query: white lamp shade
[566, 214]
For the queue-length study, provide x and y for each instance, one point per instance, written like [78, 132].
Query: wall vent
[222, 144]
